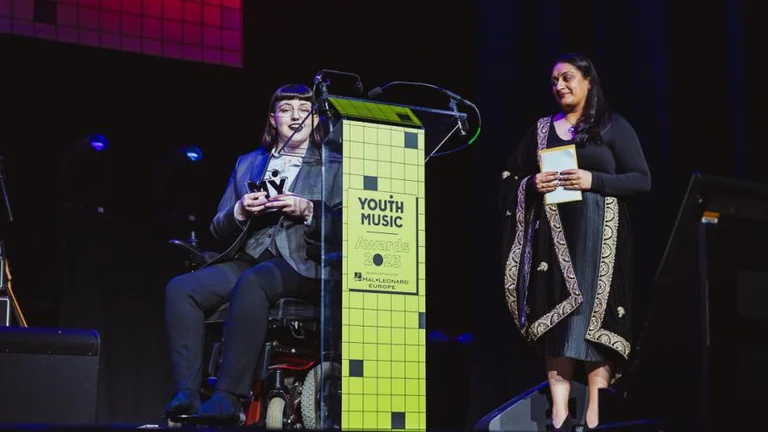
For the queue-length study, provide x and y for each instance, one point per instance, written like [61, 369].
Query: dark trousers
[250, 287]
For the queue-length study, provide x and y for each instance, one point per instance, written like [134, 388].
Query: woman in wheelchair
[269, 215]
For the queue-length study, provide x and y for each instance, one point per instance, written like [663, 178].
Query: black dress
[568, 276]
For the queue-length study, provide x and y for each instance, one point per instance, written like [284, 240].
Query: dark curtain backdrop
[685, 75]
[75, 266]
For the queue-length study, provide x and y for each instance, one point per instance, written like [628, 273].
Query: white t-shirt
[281, 172]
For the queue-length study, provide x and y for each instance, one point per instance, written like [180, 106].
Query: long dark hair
[596, 115]
[292, 92]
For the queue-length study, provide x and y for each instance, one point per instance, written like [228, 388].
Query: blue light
[435, 336]
[98, 142]
[193, 153]
[465, 338]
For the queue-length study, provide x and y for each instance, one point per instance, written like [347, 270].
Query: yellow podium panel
[383, 282]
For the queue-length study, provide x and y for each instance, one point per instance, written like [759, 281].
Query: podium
[373, 260]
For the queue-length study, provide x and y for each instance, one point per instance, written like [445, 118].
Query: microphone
[318, 79]
[324, 107]
[375, 92]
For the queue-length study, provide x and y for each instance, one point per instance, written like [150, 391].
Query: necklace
[572, 128]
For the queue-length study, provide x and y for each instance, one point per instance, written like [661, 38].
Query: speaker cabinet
[531, 410]
[48, 376]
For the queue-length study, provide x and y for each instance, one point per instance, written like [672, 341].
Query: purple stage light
[98, 142]
[193, 153]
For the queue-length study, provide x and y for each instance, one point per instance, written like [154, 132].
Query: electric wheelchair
[296, 385]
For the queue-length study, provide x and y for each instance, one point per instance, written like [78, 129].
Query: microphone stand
[5, 192]
[325, 109]
[461, 126]
[461, 123]
[5, 268]
[315, 107]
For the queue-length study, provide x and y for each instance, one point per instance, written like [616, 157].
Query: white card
[559, 159]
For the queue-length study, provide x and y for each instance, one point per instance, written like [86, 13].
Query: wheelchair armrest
[196, 255]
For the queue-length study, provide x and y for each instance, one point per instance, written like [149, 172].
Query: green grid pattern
[362, 110]
[383, 334]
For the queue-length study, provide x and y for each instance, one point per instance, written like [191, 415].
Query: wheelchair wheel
[320, 397]
[275, 413]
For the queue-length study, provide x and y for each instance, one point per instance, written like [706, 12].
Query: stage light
[464, 338]
[88, 174]
[98, 142]
[435, 336]
[193, 153]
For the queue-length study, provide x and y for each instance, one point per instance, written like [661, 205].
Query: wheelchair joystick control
[192, 235]
[193, 239]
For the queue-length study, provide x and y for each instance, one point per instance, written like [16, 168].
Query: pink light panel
[207, 31]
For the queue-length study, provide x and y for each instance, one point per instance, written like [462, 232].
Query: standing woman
[568, 273]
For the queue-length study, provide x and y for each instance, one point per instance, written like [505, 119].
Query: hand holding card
[559, 159]
[250, 204]
[292, 205]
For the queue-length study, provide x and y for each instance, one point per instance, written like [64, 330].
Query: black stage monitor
[705, 351]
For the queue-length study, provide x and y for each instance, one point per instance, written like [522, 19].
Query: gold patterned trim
[596, 333]
[561, 310]
[513, 260]
[511, 269]
[542, 132]
[546, 322]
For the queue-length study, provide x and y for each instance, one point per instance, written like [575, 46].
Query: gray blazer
[298, 243]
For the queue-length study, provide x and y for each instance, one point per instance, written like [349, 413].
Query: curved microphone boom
[321, 74]
[377, 91]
